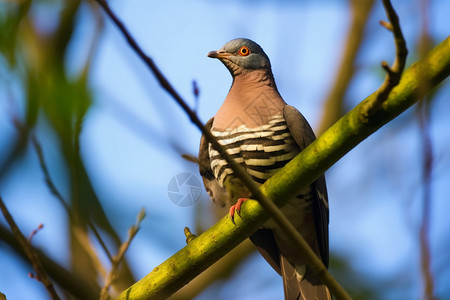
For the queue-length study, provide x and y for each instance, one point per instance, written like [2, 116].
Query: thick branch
[221, 270]
[339, 139]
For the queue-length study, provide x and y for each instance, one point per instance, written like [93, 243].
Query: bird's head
[242, 56]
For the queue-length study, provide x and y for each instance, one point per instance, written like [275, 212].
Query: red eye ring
[244, 51]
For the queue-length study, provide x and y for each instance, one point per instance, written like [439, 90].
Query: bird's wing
[217, 193]
[203, 155]
[303, 135]
[265, 243]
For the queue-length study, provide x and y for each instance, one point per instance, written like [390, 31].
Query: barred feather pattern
[261, 151]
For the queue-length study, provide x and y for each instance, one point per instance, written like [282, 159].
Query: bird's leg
[236, 208]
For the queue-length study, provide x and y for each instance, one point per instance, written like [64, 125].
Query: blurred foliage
[36, 57]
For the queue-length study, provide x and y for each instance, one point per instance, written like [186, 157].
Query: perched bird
[262, 133]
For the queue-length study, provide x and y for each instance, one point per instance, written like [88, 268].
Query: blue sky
[130, 131]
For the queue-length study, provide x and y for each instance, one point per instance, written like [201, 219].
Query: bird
[262, 133]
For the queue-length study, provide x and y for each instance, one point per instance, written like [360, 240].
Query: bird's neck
[253, 101]
[247, 81]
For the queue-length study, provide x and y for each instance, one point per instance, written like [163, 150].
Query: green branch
[339, 139]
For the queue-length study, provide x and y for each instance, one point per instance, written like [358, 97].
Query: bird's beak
[219, 54]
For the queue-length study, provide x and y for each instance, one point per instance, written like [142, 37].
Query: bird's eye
[244, 51]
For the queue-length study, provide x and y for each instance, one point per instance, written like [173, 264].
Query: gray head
[242, 56]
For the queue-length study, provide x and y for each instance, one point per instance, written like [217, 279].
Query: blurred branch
[423, 115]
[48, 180]
[78, 286]
[312, 260]
[17, 144]
[394, 73]
[78, 234]
[336, 96]
[57, 194]
[63, 33]
[339, 139]
[99, 24]
[34, 232]
[149, 62]
[117, 259]
[39, 65]
[41, 274]
[100, 240]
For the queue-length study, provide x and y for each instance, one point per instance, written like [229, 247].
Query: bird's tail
[299, 284]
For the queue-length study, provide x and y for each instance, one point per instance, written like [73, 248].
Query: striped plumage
[262, 133]
[262, 151]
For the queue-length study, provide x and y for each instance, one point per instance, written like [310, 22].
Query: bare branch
[41, 274]
[117, 259]
[386, 25]
[72, 283]
[100, 240]
[48, 180]
[51, 185]
[34, 232]
[394, 73]
[314, 262]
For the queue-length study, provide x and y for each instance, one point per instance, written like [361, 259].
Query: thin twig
[48, 180]
[117, 259]
[100, 240]
[34, 232]
[394, 73]
[54, 190]
[196, 92]
[75, 284]
[41, 274]
[314, 262]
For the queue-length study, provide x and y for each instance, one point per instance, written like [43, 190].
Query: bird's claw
[236, 209]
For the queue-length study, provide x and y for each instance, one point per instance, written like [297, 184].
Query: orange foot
[236, 209]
